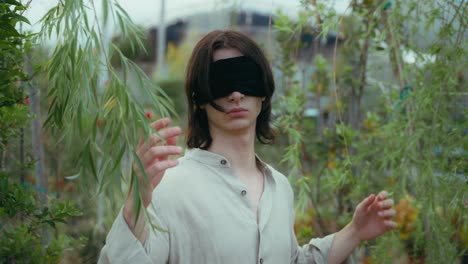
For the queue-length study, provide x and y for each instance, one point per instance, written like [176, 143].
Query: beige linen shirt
[209, 219]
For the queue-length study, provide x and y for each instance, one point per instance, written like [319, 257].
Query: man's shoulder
[277, 175]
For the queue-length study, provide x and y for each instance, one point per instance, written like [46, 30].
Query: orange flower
[406, 216]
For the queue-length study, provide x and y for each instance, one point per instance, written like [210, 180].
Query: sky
[146, 12]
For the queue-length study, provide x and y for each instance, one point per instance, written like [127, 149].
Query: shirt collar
[216, 160]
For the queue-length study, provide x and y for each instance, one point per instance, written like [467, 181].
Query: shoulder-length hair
[197, 83]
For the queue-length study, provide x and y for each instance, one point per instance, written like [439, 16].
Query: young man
[220, 203]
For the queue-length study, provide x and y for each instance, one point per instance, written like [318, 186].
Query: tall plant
[411, 141]
[102, 106]
[26, 222]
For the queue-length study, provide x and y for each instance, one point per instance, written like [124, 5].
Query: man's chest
[224, 224]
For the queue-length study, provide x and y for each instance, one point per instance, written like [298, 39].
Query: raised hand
[372, 218]
[373, 215]
[155, 157]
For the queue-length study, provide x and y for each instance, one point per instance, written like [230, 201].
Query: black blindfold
[239, 74]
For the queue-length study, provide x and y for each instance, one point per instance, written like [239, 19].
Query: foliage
[403, 132]
[13, 113]
[382, 122]
[128, 49]
[26, 224]
[98, 100]
[92, 101]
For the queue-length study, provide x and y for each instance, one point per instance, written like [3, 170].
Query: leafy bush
[389, 122]
[26, 222]
[27, 226]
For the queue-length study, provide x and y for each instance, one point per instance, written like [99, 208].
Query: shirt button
[223, 161]
[261, 261]
[244, 192]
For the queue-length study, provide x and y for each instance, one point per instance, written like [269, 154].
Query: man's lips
[237, 110]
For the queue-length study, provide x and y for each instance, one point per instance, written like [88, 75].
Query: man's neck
[238, 149]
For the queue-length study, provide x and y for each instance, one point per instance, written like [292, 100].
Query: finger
[164, 134]
[161, 123]
[365, 203]
[390, 224]
[142, 148]
[172, 140]
[158, 153]
[386, 213]
[385, 204]
[157, 125]
[160, 167]
[383, 195]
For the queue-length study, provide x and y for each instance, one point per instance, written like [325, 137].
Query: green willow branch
[80, 107]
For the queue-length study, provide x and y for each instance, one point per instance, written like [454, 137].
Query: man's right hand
[155, 158]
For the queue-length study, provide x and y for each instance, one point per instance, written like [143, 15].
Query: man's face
[240, 111]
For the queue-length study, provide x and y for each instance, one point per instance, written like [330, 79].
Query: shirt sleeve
[123, 247]
[316, 251]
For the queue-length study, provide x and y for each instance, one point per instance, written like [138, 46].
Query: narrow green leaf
[20, 18]
[136, 196]
[122, 26]
[73, 177]
[115, 135]
[79, 120]
[118, 158]
[9, 29]
[92, 165]
[141, 168]
[95, 125]
[105, 8]
[11, 2]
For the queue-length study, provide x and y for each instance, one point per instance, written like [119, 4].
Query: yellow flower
[406, 216]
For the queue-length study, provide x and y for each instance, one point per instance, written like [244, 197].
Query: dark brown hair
[197, 84]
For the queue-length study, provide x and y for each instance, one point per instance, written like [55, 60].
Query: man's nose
[236, 96]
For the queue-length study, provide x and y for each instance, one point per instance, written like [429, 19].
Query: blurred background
[370, 95]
